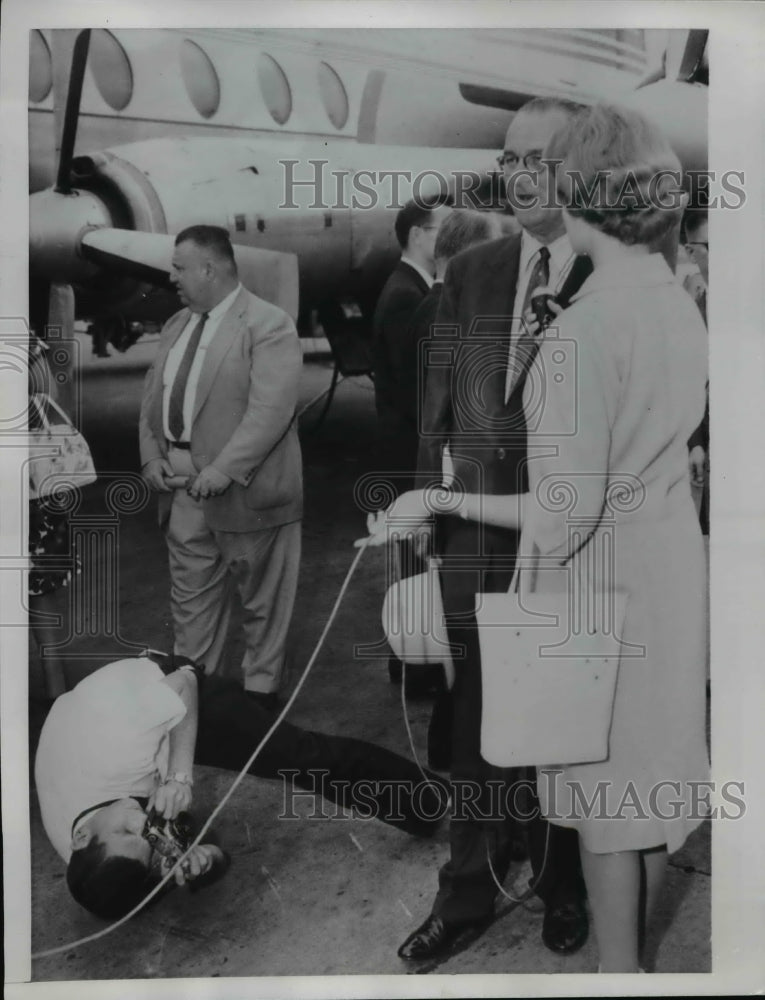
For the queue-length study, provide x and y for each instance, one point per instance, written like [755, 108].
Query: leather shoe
[566, 926]
[431, 938]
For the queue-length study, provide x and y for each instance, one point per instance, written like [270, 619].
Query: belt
[182, 445]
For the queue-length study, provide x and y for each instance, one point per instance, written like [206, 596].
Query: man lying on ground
[115, 760]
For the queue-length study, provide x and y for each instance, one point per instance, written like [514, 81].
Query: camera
[169, 838]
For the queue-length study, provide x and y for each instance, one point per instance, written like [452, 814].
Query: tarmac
[314, 896]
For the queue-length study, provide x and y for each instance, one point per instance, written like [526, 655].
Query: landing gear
[350, 338]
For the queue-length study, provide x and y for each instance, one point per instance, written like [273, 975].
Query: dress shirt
[561, 261]
[427, 278]
[175, 355]
[106, 739]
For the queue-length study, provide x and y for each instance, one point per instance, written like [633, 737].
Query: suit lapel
[175, 326]
[218, 348]
[495, 297]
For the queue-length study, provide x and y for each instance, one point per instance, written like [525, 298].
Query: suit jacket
[395, 364]
[244, 415]
[467, 359]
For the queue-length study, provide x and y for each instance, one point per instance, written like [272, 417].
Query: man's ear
[81, 837]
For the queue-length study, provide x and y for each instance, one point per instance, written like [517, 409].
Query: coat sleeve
[275, 366]
[149, 446]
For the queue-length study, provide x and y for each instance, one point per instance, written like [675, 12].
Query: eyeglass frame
[537, 153]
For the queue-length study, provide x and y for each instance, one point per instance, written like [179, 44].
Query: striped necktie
[178, 392]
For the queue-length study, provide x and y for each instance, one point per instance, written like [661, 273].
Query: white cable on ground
[531, 889]
[234, 785]
[408, 726]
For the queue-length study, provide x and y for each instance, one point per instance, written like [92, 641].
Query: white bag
[59, 456]
[548, 689]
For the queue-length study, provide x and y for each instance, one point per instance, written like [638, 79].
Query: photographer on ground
[115, 762]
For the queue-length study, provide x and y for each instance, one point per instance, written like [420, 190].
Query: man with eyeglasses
[120, 748]
[473, 404]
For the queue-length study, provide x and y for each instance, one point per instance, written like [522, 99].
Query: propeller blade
[271, 275]
[494, 97]
[72, 113]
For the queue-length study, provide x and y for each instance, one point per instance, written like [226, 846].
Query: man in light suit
[219, 409]
[473, 403]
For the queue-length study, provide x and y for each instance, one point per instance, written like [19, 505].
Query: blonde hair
[618, 172]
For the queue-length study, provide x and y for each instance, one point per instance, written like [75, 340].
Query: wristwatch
[181, 777]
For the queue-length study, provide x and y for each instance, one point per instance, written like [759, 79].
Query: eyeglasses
[531, 161]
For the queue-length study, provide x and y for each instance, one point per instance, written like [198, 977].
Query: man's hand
[171, 798]
[198, 861]
[155, 472]
[209, 483]
[529, 317]
[696, 460]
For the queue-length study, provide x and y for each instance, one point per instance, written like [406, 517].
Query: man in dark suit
[396, 366]
[395, 369]
[460, 230]
[219, 409]
[474, 404]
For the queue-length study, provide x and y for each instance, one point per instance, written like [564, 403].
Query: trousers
[492, 807]
[349, 772]
[205, 565]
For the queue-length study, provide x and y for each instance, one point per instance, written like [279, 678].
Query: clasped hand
[210, 482]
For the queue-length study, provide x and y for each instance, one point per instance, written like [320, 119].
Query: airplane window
[202, 83]
[40, 72]
[111, 69]
[333, 95]
[275, 88]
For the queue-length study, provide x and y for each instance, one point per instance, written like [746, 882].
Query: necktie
[178, 392]
[527, 345]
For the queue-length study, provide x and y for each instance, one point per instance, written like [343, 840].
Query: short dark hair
[463, 229]
[416, 213]
[213, 238]
[109, 887]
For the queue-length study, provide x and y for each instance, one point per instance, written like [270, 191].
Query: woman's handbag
[548, 684]
[59, 456]
[413, 620]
